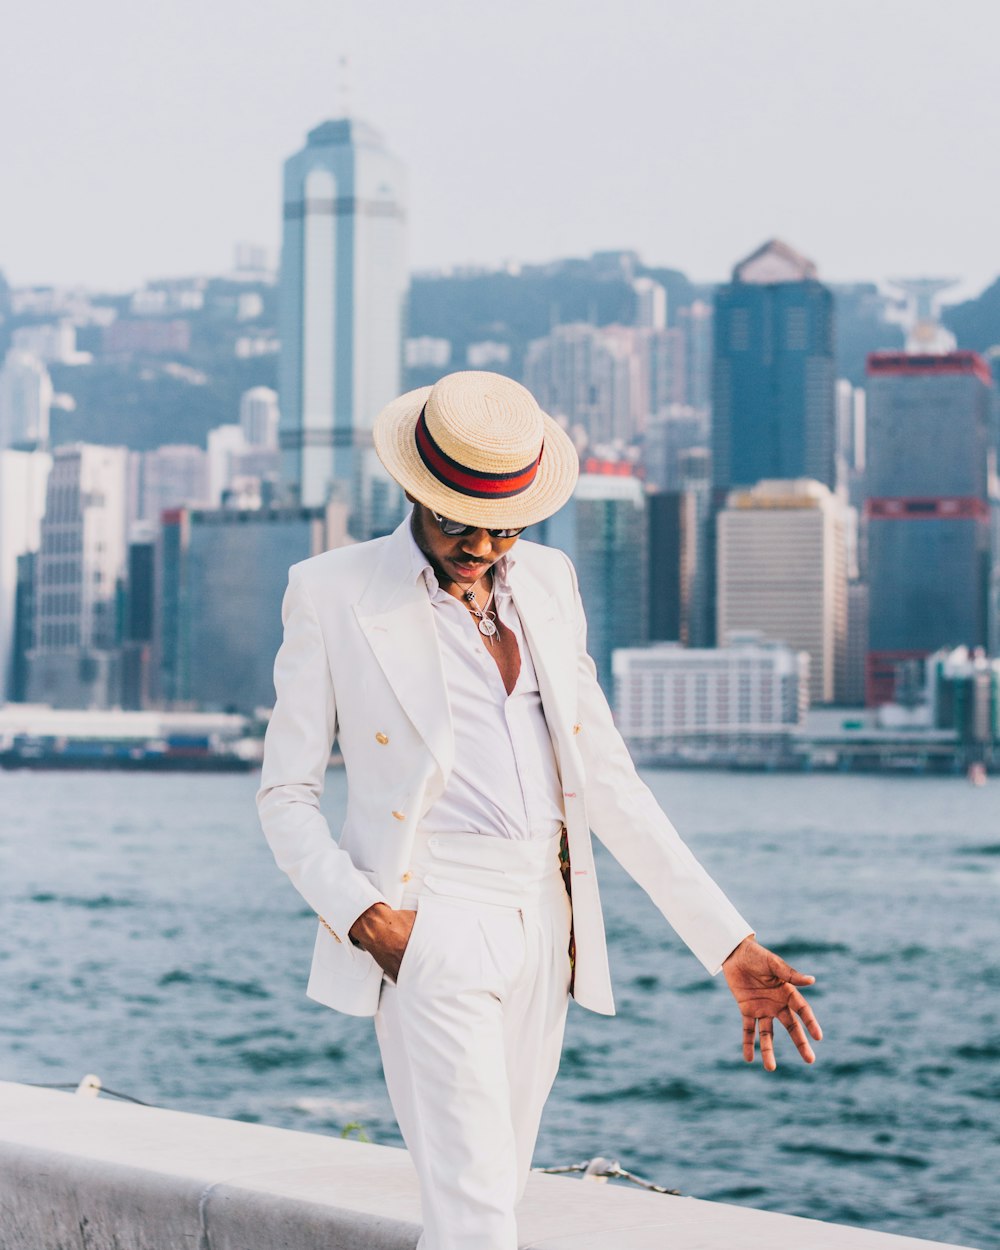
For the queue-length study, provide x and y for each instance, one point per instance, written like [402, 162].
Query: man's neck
[451, 587]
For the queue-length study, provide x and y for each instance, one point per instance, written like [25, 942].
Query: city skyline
[688, 135]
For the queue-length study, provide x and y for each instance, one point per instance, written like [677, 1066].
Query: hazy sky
[141, 139]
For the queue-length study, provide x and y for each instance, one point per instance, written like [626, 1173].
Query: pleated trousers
[472, 1030]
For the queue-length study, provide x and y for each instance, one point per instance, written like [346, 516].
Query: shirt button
[406, 876]
[577, 728]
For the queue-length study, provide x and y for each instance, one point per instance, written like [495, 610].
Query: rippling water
[149, 938]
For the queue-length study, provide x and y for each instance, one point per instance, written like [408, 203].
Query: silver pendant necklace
[487, 618]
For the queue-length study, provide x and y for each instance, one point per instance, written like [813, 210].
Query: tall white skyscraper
[343, 290]
[25, 401]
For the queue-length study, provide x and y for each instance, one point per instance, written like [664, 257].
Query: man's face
[463, 560]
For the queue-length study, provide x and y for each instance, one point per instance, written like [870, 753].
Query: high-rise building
[695, 323]
[222, 574]
[593, 376]
[781, 564]
[23, 479]
[226, 443]
[650, 304]
[25, 402]
[138, 619]
[672, 548]
[695, 470]
[927, 516]
[259, 416]
[343, 290]
[166, 477]
[603, 530]
[80, 569]
[667, 442]
[773, 378]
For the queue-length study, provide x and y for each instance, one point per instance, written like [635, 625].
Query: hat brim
[395, 443]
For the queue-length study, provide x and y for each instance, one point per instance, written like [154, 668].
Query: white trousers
[472, 1031]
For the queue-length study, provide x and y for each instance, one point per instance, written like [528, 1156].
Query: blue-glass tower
[773, 374]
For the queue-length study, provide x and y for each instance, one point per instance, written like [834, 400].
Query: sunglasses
[456, 529]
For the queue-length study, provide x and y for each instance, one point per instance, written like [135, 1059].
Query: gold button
[399, 815]
[577, 728]
[382, 739]
[406, 876]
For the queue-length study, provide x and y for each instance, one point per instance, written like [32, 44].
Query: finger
[798, 1035]
[749, 1037]
[766, 1027]
[799, 1005]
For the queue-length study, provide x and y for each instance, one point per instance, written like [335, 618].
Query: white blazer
[360, 662]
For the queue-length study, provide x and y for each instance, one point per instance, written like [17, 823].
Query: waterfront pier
[84, 1171]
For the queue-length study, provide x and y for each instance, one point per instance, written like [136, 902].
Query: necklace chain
[487, 617]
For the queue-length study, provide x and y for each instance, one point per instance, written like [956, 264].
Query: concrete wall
[79, 1173]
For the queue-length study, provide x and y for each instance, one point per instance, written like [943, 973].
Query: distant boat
[175, 753]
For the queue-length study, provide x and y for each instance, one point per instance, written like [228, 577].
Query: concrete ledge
[102, 1175]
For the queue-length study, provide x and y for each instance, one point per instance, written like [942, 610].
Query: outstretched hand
[764, 988]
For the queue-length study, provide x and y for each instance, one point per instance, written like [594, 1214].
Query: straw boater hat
[476, 447]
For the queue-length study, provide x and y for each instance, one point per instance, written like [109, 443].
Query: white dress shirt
[505, 781]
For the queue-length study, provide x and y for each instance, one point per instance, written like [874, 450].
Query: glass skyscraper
[343, 290]
[773, 413]
[603, 529]
[927, 512]
[222, 576]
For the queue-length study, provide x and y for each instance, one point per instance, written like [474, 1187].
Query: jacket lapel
[552, 647]
[396, 617]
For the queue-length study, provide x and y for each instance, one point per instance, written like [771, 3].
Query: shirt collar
[421, 569]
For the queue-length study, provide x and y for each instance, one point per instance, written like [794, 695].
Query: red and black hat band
[466, 481]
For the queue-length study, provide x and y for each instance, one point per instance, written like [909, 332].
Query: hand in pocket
[385, 934]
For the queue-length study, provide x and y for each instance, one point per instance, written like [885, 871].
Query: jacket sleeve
[623, 813]
[297, 749]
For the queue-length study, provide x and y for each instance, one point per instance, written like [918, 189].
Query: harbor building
[343, 290]
[740, 703]
[773, 375]
[927, 513]
[782, 570]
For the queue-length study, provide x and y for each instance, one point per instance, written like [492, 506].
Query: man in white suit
[460, 905]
